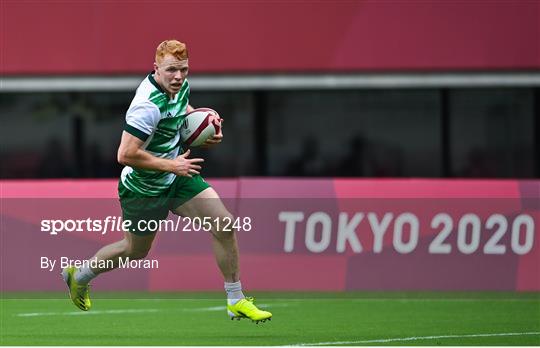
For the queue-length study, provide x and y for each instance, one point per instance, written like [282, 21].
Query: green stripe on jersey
[135, 132]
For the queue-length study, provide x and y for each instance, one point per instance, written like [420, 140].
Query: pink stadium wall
[115, 37]
[319, 234]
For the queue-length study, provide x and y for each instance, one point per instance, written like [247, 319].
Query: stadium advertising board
[320, 234]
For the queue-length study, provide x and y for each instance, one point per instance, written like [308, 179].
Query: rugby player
[158, 178]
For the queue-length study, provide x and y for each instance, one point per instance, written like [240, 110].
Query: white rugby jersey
[155, 119]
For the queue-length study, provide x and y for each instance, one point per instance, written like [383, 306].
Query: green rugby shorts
[137, 207]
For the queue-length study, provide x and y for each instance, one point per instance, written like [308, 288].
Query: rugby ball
[199, 125]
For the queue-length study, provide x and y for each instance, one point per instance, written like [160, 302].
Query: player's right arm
[131, 154]
[141, 120]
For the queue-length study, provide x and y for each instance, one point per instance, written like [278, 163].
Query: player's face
[171, 73]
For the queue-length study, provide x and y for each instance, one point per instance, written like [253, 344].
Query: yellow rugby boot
[245, 308]
[79, 294]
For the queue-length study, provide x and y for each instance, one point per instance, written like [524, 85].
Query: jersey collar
[153, 81]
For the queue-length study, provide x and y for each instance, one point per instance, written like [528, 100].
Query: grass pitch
[299, 319]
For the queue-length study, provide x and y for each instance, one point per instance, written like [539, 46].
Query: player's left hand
[216, 139]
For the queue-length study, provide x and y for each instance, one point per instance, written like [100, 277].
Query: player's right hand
[183, 166]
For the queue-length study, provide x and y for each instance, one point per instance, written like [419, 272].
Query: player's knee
[224, 226]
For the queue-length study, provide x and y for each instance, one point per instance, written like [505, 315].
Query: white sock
[234, 292]
[84, 275]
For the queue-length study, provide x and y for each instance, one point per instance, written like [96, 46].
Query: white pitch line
[417, 338]
[206, 309]
[127, 311]
[110, 311]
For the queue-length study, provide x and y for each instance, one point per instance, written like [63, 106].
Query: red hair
[173, 47]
